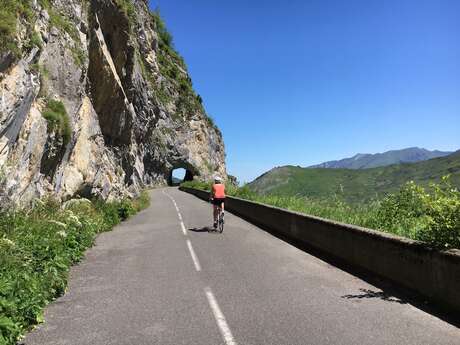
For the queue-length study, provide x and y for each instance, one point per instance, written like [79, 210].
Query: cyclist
[217, 197]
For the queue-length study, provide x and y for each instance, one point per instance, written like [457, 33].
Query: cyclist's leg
[215, 213]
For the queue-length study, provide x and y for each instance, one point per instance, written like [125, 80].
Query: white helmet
[217, 178]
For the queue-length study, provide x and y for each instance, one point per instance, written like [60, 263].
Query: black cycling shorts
[218, 202]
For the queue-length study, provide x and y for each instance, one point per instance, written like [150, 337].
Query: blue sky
[302, 82]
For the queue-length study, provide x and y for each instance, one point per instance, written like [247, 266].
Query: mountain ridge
[368, 160]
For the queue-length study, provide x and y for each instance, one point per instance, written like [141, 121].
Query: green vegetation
[43, 73]
[173, 69]
[60, 22]
[355, 186]
[8, 17]
[34, 41]
[164, 35]
[13, 10]
[432, 216]
[63, 24]
[128, 8]
[172, 66]
[38, 68]
[37, 248]
[10, 12]
[58, 120]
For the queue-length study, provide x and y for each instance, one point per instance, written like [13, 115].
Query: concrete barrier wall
[432, 273]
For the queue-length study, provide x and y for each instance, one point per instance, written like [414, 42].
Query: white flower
[6, 242]
[62, 233]
[75, 220]
[58, 223]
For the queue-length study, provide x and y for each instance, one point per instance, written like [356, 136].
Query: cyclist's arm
[211, 194]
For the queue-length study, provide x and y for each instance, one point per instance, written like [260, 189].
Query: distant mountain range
[355, 185]
[367, 160]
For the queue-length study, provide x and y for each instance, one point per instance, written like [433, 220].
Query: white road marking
[183, 228]
[220, 318]
[178, 212]
[194, 257]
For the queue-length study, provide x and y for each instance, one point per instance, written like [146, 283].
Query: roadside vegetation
[429, 214]
[37, 248]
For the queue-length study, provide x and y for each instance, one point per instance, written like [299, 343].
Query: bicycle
[220, 219]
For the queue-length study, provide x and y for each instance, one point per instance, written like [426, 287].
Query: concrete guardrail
[431, 273]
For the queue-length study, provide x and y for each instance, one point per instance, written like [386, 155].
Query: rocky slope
[95, 101]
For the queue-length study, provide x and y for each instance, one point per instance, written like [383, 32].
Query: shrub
[442, 228]
[165, 37]
[34, 41]
[404, 212]
[197, 184]
[58, 120]
[37, 248]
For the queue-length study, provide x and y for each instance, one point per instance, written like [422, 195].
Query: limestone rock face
[98, 104]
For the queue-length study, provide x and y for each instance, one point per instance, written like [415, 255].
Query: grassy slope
[355, 185]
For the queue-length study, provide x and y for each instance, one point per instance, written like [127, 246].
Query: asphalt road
[152, 281]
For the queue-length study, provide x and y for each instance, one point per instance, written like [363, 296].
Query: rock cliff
[96, 101]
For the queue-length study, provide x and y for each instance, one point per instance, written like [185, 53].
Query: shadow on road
[203, 229]
[367, 293]
[399, 293]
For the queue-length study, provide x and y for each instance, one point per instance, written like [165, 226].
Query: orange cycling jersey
[218, 191]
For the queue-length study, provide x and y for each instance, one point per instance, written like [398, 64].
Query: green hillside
[355, 185]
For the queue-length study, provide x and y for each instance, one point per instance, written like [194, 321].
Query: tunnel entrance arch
[179, 175]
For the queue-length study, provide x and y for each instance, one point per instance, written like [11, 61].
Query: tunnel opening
[179, 175]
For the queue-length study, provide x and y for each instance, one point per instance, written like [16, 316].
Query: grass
[13, 10]
[10, 12]
[58, 120]
[431, 216]
[34, 41]
[37, 248]
[127, 8]
[44, 77]
[64, 24]
[164, 35]
[38, 68]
